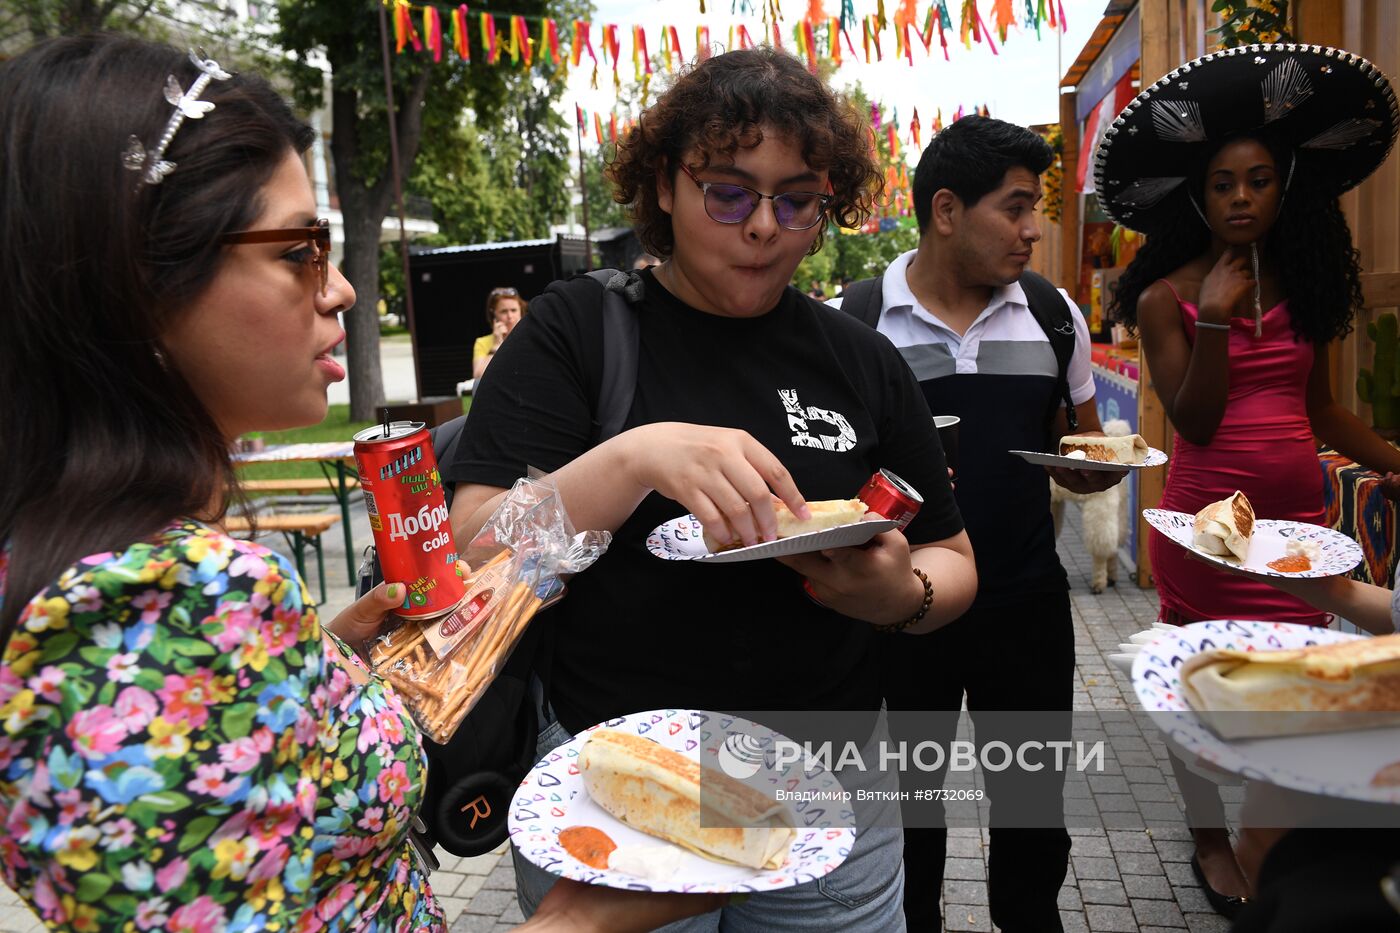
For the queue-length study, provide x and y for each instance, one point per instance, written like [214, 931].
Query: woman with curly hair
[747, 392]
[1232, 166]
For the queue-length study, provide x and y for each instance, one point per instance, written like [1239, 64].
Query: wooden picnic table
[337, 462]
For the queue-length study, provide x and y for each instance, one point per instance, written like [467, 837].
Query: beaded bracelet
[1209, 326]
[894, 627]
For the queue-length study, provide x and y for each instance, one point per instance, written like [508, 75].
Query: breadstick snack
[441, 666]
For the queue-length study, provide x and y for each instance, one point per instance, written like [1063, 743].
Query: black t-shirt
[830, 397]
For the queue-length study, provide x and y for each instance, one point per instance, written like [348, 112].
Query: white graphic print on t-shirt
[797, 416]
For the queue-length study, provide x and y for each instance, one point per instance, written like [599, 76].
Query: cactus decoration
[1380, 386]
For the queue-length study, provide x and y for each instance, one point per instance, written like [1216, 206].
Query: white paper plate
[1337, 554]
[552, 798]
[1154, 458]
[1336, 764]
[682, 539]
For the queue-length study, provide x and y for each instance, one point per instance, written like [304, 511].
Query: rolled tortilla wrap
[1224, 527]
[657, 791]
[825, 514]
[1318, 681]
[1129, 449]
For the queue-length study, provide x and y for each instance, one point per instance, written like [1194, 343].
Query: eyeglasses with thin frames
[318, 235]
[732, 204]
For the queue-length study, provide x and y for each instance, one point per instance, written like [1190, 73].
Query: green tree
[225, 38]
[350, 41]
[860, 255]
[603, 211]
[499, 98]
[40, 19]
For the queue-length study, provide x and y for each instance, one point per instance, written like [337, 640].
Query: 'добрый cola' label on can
[409, 518]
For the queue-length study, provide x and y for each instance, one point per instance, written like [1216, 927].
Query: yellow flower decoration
[18, 711]
[81, 917]
[233, 858]
[46, 614]
[266, 891]
[76, 851]
[168, 739]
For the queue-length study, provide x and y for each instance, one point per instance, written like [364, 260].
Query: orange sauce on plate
[1292, 563]
[589, 845]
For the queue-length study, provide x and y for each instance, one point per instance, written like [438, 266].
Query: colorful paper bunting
[461, 43]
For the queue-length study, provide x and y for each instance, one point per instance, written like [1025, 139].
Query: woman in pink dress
[1232, 165]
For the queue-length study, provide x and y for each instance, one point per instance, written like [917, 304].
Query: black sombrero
[1335, 109]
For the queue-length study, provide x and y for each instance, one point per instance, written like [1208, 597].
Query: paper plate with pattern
[552, 798]
[1154, 458]
[1336, 553]
[683, 539]
[1348, 765]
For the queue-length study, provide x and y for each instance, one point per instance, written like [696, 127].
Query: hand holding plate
[578, 907]
[874, 583]
[1085, 481]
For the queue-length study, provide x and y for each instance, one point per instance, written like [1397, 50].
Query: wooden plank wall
[1370, 28]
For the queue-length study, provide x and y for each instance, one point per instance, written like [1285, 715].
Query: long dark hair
[105, 443]
[1309, 246]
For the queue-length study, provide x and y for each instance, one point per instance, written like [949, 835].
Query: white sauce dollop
[654, 863]
[1306, 549]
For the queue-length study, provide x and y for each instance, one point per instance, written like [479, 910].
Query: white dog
[1104, 516]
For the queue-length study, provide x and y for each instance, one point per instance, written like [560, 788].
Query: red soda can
[887, 495]
[408, 515]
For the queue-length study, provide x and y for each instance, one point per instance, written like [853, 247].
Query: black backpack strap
[621, 348]
[863, 300]
[1050, 311]
[446, 438]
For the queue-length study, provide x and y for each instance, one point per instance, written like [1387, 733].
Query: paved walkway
[1120, 881]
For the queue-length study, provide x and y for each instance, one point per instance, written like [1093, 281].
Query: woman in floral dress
[183, 745]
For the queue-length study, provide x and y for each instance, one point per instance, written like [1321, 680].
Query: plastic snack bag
[442, 666]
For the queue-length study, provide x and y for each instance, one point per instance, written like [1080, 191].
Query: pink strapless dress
[1263, 447]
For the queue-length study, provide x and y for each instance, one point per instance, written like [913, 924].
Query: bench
[339, 485]
[299, 530]
[299, 486]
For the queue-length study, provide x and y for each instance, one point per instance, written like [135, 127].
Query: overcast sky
[1021, 84]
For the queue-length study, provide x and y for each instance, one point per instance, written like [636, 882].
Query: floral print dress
[180, 749]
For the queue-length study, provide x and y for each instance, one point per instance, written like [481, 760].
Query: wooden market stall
[1137, 42]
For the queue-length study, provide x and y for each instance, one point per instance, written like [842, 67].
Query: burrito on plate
[657, 791]
[1361, 676]
[1224, 527]
[1130, 449]
[825, 514]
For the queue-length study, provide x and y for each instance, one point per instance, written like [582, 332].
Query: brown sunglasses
[318, 235]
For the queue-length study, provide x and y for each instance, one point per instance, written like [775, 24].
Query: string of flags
[524, 40]
[496, 38]
[609, 128]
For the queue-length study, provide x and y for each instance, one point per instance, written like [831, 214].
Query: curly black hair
[720, 106]
[1310, 246]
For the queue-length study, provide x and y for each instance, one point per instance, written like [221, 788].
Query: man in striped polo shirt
[958, 310]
